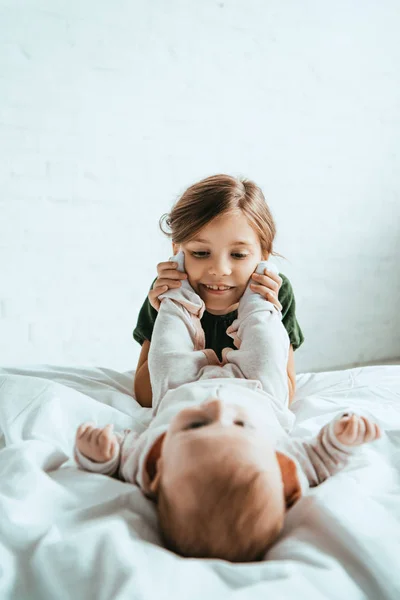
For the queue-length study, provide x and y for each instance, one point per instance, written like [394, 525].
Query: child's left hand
[268, 285]
[354, 430]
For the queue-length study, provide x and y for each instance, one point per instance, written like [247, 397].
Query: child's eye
[239, 255]
[199, 254]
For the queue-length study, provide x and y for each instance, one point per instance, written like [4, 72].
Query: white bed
[65, 533]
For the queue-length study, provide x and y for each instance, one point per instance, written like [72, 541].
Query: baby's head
[225, 228]
[219, 485]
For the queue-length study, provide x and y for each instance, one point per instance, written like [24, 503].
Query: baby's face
[201, 434]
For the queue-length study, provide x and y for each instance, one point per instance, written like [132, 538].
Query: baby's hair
[214, 196]
[234, 517]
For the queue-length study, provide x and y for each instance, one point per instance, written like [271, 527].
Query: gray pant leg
[263, 351]
[172, 358]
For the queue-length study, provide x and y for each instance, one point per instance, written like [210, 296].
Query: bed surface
[65, 533]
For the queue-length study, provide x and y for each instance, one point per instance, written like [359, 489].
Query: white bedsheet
[65, 533]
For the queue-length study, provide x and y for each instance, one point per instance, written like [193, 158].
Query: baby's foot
[253, 296]
[185, 294]
[252, 301]
[180, 261]
[97, 444]
[354, 430]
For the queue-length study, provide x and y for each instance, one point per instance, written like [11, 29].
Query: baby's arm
[98, 449]
[354, 430]
[330, 451]
[129, 455]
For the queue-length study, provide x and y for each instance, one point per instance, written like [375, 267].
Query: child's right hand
[168, 277]
[97, 444]
[354, 430]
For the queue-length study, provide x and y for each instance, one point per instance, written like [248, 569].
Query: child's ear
[291, 483]
[175, 248]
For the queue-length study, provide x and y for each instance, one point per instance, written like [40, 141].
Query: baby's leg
[263, 346]
[176, 352]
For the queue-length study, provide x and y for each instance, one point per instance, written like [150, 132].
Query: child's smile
[220, 260]
[216, 289]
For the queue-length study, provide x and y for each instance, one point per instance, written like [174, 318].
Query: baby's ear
[153, 460]
[291, 483]
[155, 483]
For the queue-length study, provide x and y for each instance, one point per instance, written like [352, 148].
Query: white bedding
[65, 533]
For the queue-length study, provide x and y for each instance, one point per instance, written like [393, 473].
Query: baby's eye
[195, 425]
[199, 254]
[239, 255]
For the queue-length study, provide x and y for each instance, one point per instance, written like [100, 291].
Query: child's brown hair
[214, 196]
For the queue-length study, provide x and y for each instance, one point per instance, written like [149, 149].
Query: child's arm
[291, 373]
[330, 451]
[141, 385]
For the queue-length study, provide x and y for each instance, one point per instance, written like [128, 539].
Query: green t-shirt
[215, 326]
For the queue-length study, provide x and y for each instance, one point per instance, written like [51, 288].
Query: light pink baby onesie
[184, 373]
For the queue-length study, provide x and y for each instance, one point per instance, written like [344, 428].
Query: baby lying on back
[221, 488]
[217, 457]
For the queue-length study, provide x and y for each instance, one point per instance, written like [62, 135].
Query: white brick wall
[109, 110]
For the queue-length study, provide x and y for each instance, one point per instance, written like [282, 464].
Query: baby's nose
[219, 411]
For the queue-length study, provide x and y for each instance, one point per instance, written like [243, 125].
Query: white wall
[108, 110]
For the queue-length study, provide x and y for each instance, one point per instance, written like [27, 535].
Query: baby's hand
[354, 430]
[97, 444]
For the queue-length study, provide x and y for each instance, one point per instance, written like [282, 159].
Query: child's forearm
[292, 390]
[291, 373]
[142, 386]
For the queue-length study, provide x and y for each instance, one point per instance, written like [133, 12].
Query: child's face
[225, 252]
[197, 435]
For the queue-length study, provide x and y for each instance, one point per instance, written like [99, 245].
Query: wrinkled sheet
[65, 533]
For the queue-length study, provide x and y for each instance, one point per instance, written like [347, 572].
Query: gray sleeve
[322, 456]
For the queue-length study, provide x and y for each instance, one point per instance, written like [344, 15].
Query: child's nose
[220, 266]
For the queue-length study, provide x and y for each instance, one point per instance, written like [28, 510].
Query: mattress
[66, 533]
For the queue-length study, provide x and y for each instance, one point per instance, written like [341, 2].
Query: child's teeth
[215, 287]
